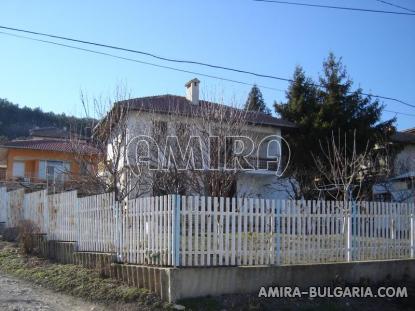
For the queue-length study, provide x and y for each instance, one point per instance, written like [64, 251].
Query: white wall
[264, 185]
[405, 160]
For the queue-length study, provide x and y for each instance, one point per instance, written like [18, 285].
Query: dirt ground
[18, 295]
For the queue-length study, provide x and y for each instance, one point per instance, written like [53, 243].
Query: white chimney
[192, 91]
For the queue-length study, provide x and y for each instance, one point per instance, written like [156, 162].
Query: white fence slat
[216, 230]
[209, 231]
[233, 232]
[203, 244]
[196, 211]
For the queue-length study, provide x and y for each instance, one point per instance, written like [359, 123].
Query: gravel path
[18, 295]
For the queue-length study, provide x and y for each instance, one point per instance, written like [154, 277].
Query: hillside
[16, 121]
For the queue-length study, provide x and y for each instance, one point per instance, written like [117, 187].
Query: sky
[377, 49]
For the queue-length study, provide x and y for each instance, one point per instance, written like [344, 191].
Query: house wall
[263, 186]
[254, 184]
[3, 163]
[3, 157]
[405, 160]
[32, 158]
[141, 123]
[396, 189]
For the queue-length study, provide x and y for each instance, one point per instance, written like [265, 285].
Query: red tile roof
[172, 104]
[52, 145]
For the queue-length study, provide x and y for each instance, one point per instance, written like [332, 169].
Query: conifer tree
[255, 101]
[322, 108]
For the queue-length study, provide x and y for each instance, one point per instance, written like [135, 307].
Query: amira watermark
[229, 153]
[333, 292]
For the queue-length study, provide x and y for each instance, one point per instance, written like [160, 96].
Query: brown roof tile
[403, 137]
[52, 145]
[172, 104]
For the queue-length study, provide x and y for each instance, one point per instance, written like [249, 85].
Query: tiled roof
[403, 137]
[172, 104]
[410, 130]
[52, 145]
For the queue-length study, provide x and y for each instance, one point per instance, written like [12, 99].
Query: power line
[139, 61]
[395, 5]
[160, 66]
[402, 113]
[335, 7]
[191, 62]
[172, 60]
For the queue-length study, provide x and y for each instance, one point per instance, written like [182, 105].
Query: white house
[401, 186]
[167, 112]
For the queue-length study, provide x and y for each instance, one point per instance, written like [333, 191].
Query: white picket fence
[207, 231]
[234, 231]
[97, 223]
[62, 216]
[35, 208]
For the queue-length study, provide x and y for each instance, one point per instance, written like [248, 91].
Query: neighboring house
[404, 161]
[400, 187]
[145, 113]
[47, 156]
[49, 133]
[3, 163]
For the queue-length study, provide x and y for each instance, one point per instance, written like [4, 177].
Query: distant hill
[16, 121]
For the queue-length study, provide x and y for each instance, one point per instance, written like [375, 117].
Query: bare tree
[220, 128]
[200, 156]
[341, 168]
[103, 162]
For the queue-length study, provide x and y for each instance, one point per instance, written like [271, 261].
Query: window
[410, 184]
[53, 170]
[84, 168]
[159, 131]
[42, 169]
[18, 168]
[182, 130]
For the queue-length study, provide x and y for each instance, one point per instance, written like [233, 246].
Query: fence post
[46, 213]
[349, 233]
[118, 221]
[78, 223]
[412, 234]
[3, 210]
[278, 231]
[176, 230]
[7, 206]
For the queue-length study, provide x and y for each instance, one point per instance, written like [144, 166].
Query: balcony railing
[254, 163]
[2, 174]
[34, 178]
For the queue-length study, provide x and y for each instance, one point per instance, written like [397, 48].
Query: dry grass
[26, 229]
[75, 280]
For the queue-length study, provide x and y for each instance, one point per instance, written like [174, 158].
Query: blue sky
[378, 50]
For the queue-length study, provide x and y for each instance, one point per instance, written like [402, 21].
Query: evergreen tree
[320, 111]
[255, 101]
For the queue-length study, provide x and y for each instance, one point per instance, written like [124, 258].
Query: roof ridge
[162, 103]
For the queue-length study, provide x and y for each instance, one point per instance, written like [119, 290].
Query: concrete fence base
[172, 284]
[195, 282]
